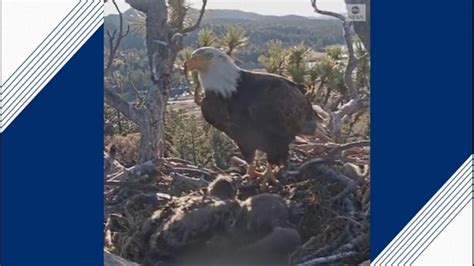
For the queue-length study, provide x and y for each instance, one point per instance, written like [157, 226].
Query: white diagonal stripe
[48, 59]
[440, 210]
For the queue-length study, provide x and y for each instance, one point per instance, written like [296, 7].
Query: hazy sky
[266, 7]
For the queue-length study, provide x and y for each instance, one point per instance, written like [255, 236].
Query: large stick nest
[326, 189]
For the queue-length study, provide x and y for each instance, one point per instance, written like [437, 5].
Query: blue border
[1, 197]
[421, 110]
[52, 169]
[47, 68]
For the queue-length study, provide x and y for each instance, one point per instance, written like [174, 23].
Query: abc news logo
[356, 12]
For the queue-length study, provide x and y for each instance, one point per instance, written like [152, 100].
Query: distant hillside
[291, 30]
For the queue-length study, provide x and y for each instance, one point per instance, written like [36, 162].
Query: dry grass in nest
[329, 200]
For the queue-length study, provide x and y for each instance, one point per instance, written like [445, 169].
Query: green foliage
[130, 68]
[138, 24]
[333, 71]
[116, 124]
[297, 63]
[191, 139]
[233, 38]
[282, 46]
[222, 147]
[334, 52]
[315, 33]
[363, 68]
[313, 75]
[206, 37]
[185, 54]
[177, 10]
[356, 128]
[274, 58]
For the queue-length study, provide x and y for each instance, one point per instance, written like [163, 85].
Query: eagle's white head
[217, 71]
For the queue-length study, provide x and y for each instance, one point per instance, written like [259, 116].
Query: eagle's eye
[208, 56]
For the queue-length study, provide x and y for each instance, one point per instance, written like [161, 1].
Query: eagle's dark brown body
[265, 113]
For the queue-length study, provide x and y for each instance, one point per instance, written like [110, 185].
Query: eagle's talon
[252, 172]
[268, 177]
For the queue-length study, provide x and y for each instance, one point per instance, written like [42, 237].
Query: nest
[326, 187]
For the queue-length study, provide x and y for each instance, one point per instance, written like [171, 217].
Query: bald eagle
[259, 111]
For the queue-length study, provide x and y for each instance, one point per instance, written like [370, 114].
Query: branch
[329, 259]
[353, 106]
[114, 40]
[110, 162]
[192, 171]
[196, 183]
[327, 13]
[341, 115]
[352, 64]
[111, 260]
[199, 20]
[124, 107]
[348, 33]
[137, 170]
[347, 146]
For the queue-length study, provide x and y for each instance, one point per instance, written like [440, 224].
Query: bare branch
[193, 171]
[199, 20]
[111, 259]
[124, 107]
[114, 40]
[351, 65]
[352, 107]
[348, 36]
[136, 171]
[347, 146]
[111, 35]
[329, 259]
[193, 182]
[326, 13]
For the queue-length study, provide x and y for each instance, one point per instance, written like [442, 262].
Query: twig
[327, 13]
[355, 243]
[238, 162]
[137, 170]
[113, 98]
[314, 162]
[355, 103]
[193, 171]
[347, 146]
[329, 259]
[179, 161]
[199, 20]
[348, 34]
[114, 39]
[194, 182]
[131, 111]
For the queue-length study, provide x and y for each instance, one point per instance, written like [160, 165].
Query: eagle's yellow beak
[195, 63]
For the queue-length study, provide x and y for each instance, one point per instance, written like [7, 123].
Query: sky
[265, 7]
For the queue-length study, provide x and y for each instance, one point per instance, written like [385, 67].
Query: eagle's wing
[282, 109]
[216, 112]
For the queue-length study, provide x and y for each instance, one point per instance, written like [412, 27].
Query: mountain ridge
[292, 30]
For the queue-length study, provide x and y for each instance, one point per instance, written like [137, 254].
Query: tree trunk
[164, 41]
[161, 56]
